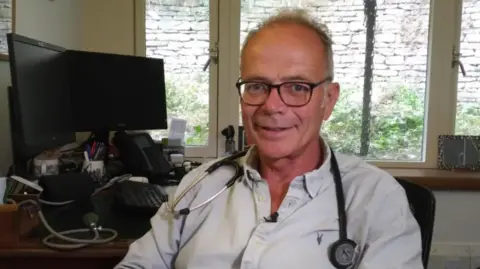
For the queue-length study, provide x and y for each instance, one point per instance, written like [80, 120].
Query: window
[380, 55]
[389, 55]
[393, 60]
[183, 34]
[467, 61]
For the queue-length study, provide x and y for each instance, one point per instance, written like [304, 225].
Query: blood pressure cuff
[66, 187]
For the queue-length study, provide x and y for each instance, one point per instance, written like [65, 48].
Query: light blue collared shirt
[231, 231]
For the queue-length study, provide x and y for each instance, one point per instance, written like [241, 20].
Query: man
[283, 212]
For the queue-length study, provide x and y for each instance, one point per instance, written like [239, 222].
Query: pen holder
[96, 169]
[16, 222]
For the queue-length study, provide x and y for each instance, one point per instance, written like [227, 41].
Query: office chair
[422, 204]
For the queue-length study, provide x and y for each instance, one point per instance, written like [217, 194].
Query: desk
[30, 253]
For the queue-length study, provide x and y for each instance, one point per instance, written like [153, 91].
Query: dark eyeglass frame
[270, 86]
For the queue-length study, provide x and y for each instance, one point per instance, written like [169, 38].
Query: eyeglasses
[292, 93]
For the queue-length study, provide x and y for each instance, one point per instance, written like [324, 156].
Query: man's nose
[274, 102]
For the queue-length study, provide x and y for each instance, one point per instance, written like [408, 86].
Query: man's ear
[331, 98]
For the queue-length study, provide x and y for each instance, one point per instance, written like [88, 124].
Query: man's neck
[283, 171]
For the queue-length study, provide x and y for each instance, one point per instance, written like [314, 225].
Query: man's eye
[297, 87]
[253, 87]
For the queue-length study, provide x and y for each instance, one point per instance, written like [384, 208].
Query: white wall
[5, 143]
[108, 26]
[56, 22]
[458, 217]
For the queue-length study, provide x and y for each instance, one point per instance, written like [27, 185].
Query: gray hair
[299, 17]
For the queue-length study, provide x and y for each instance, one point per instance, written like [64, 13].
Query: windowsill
[433, 179]
[436, 179]
[3, 57]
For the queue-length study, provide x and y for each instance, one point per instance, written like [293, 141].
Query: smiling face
[279, 53]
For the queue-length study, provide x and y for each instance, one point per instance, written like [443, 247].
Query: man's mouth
[276, 129]
[272, 128]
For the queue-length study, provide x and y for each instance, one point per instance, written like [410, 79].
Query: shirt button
[261, 198]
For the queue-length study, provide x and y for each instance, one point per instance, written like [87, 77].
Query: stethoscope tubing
[340, 245]
[337, 179]
[229, 161]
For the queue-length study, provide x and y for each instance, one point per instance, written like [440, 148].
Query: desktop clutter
[51, 172]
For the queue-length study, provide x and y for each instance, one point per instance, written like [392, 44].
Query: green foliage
[396, 125]
[187, 98]
[397, 122]
[470, 119]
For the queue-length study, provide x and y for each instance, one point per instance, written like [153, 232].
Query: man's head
[292, 50]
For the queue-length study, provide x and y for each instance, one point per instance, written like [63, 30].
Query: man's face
[277, 54]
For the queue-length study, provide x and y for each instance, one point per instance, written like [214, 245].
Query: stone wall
[469, 86]
[178, 31]
[5, 23]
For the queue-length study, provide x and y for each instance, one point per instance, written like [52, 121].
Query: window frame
[210, 150]
[440, 98]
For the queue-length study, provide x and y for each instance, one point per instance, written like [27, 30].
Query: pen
[94, 148]
[89, 150]
[85, 154]
[7, 190]
[97, 154]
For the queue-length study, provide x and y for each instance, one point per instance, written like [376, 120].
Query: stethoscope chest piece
[342, 253]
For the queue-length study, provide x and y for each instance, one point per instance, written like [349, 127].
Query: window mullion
[441, 101]
[229, 45]
[140, 17]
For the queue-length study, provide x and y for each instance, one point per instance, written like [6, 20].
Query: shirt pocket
[325, 233]
[306, 244]
[317, 241]
[315, 230]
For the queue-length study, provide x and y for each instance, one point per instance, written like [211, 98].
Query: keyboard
[139, 197]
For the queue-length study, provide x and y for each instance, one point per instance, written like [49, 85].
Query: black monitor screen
[117, 92]
[40, 94]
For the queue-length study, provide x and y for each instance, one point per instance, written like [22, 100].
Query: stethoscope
[341, 253]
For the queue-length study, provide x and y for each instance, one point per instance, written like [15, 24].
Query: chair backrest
[422, 204]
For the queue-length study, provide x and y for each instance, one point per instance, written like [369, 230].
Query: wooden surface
[436, 179]
[34, 248]
[3, 57]
[32, 253]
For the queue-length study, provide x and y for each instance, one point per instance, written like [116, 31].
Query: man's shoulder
[371, 191]
[366, 178]
[197, 179]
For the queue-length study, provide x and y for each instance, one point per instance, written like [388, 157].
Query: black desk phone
[141, 156]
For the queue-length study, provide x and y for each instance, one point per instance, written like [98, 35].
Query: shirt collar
[313, 180]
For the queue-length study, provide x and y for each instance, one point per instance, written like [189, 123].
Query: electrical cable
[73, 243]
[90, 219]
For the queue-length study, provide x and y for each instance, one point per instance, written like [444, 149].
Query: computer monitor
[39, 99]
[112, 92]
